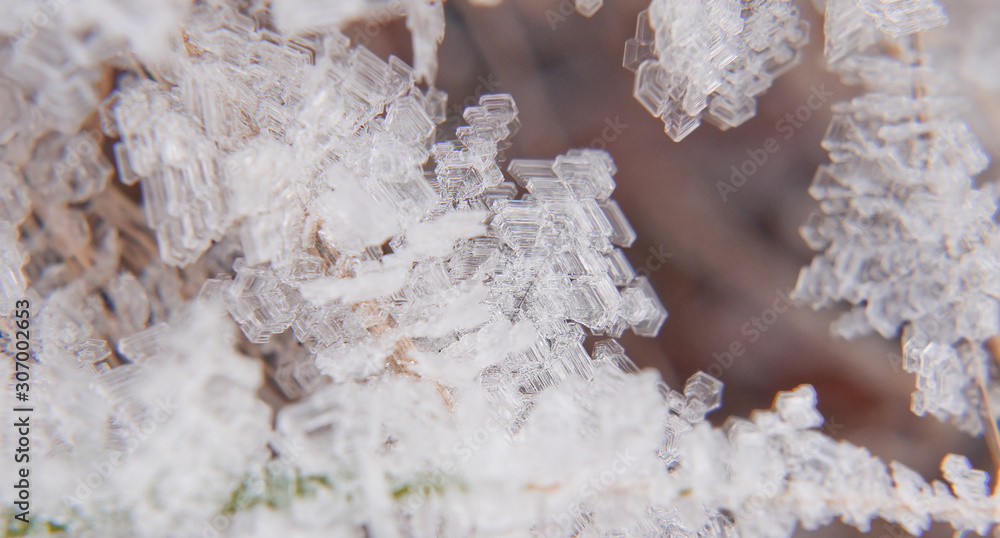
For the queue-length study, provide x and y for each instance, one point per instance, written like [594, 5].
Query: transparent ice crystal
[899, 18]
[424, 18]
[711, 58]
[438, 324]
[907, 238]
[11, 259]
[851, 26]
[298, 183]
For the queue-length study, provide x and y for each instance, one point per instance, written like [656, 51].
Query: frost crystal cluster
[413, 308]
[711, 58]
[908, 239]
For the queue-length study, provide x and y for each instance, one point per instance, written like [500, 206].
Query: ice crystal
[908, 239]
[424, 19]
[11, 259]
[711, 58]
[421, 304]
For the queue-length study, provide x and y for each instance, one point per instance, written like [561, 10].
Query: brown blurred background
[724, 262]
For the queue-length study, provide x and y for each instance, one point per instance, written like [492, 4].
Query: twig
[993, 437]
